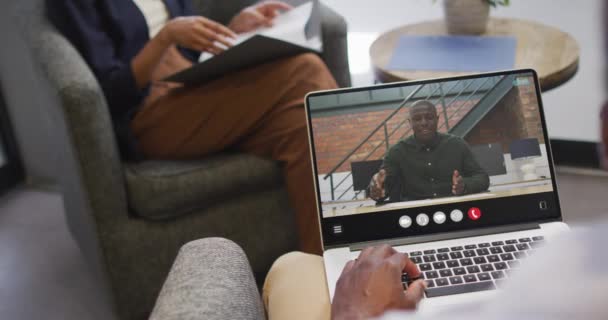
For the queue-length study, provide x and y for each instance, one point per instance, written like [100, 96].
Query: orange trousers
[258, 110]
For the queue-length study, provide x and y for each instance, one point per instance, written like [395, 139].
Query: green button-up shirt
[417, 171]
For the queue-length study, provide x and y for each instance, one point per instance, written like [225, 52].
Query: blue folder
[454, 53]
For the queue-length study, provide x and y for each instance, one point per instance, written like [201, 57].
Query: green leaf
[496, 3]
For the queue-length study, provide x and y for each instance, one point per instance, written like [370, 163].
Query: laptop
[467, 241]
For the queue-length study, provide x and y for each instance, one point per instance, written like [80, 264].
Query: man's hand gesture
[457, 183]
[376, 186]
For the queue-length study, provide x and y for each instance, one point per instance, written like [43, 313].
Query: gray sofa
[105, 198]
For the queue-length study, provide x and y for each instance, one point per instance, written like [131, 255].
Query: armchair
[106, 199]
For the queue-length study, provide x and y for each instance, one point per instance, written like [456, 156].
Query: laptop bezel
[323, 221]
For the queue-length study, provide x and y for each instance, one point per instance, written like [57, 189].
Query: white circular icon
[405, 222]
[439, 217]
[422, 219]
[456, 215]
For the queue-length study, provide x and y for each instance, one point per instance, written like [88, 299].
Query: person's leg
[283, 135]
[260, 111]
[295, 288]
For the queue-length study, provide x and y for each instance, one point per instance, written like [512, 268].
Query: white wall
[571, 109]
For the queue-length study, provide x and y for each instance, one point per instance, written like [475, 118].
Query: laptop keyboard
[470, 268]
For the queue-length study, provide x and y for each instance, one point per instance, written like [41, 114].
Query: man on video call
[428, 164]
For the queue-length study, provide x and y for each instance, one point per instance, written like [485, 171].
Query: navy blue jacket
[109, 34]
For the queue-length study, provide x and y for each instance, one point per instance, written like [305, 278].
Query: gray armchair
[106, 198]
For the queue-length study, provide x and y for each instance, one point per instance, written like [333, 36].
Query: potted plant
[469, 16]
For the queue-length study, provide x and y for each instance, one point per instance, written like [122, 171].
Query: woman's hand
[197, 33]
[256, 16]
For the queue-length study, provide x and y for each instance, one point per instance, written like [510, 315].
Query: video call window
[427, 144]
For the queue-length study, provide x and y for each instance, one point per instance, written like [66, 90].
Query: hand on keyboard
[470, 268]
[371, 285]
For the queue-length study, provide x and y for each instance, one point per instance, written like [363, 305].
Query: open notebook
[293, 32]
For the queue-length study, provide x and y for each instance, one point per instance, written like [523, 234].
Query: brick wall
[515, 117]
[531, 114]
[335, 136]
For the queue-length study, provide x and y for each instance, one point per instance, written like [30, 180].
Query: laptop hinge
[446, 236]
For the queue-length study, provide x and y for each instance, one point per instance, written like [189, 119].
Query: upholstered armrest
[210, 279]
[335, 47]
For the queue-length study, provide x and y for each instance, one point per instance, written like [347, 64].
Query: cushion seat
[167, 189]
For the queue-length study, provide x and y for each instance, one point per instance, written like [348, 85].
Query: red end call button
[474, 213]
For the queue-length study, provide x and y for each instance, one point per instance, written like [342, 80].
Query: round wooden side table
[553, 53]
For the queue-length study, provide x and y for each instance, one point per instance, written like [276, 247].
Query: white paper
[288, 26]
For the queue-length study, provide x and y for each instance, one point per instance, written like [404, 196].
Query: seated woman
[131, 44]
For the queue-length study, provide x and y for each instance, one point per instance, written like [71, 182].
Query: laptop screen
[433, 156]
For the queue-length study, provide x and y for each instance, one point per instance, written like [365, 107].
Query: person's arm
[473, 176]
[386, 184]
[201, 34]
[125, 83]
[196, 33]
[81, 23]
[393, 181]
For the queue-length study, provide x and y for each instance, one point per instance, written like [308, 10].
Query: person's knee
[298, 141]
[296, 283]
[291, 262]
[309, 63]
[308, 59]
[295, 260]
